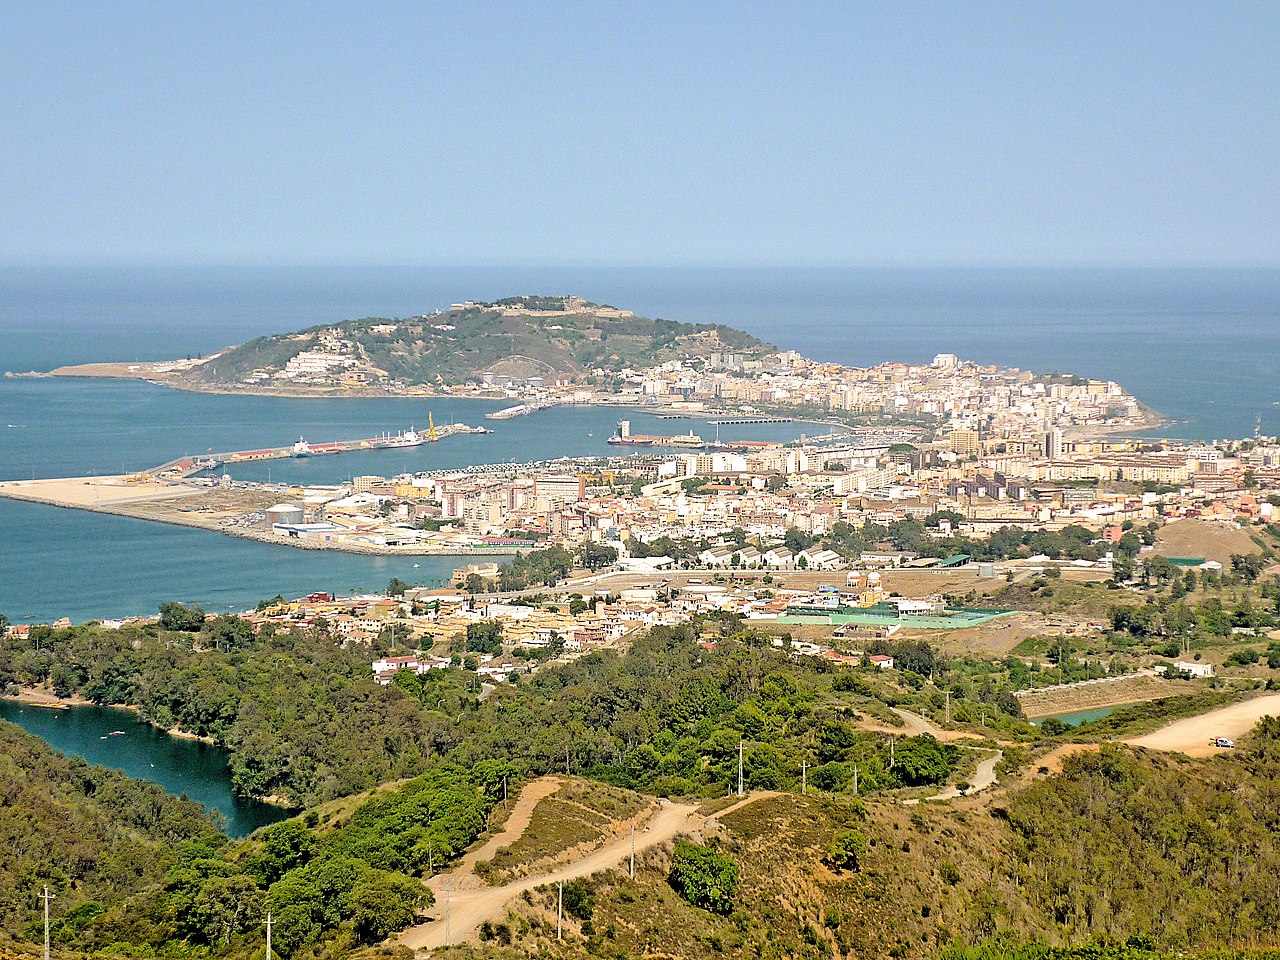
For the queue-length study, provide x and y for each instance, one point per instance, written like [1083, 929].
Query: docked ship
[407, 438]
[301, 448]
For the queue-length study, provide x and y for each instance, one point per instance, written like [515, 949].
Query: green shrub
[704, 877]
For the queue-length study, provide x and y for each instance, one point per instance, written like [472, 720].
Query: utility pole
[893, 758]
[431, 862]
[948, 705]
[566, 760]
[804, 774]
[447, 939]
[269, 923]
[504, 790]
[855, 779]
[46, 897]
[560, 913]
[739, 768]
[633, 851]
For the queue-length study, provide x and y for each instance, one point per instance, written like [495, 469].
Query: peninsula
[913, 439]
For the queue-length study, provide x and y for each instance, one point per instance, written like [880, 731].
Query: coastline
[43, 698]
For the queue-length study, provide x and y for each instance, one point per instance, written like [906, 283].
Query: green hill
[563, 338]
[94, 836]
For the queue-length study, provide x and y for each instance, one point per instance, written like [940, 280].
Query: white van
[1222, 742]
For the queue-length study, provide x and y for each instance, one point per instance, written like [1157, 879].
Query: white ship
[408, 438]
[302, 448]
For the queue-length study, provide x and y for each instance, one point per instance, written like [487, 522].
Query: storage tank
[288, 513]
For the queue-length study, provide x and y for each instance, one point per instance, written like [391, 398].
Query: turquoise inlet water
[179, 766]
[1077, 717]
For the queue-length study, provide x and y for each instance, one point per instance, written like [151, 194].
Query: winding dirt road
[463, 902]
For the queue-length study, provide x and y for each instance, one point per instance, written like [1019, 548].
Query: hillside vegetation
[94, 836]
[1136, 855]
[520, 337]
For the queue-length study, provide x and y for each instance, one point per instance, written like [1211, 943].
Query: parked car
[1222, 742]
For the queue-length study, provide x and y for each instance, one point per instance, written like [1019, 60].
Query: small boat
[117, 733]
[416, 565]
[103, 737]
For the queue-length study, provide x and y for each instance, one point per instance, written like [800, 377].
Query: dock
[182, 468]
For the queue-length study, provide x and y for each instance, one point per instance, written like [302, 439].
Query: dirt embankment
[1113, 693]
[1202, 538]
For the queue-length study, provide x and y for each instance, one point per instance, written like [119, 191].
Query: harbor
[179, 492]
[691, 441]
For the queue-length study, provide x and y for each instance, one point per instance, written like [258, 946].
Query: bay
[1199, 345]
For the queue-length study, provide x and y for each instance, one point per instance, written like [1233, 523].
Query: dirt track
[1192, 735]
[461, 906]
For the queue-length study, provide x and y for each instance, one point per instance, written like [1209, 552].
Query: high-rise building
[1053, 444]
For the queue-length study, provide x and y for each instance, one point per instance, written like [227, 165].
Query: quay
[185, 467]
[734, 421]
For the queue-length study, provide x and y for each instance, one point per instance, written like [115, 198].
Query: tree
[1248, 566]
[484, 637]
[846, 848]
[397, 587]
[597, 555]
[230, 633]
[579, 900]
[796, 540]
[1053, 727]
[384, 902]
[180, 617]
[703, 877]
[923, 759]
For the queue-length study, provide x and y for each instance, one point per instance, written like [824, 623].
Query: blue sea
[1200, 346]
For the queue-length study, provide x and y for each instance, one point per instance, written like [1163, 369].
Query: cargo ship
[407, 438]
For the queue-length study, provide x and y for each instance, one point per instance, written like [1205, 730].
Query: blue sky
[703, 133]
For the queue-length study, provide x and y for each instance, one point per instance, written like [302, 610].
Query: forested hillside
[543, 339]
[94, 836]
[304, 720]
[1141, 848]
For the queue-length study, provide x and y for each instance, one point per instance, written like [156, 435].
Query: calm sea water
[1201, 346]
[139, 750]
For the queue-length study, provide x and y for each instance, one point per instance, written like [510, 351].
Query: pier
[182, 468]
[734, 421]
